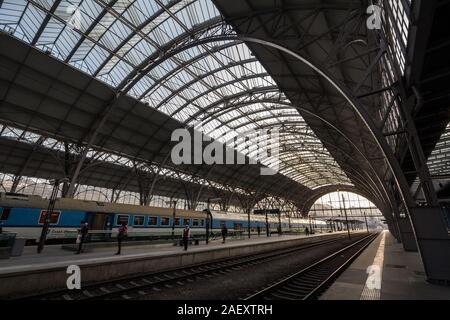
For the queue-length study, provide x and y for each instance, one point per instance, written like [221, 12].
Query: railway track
[310, 282]
[139, 286]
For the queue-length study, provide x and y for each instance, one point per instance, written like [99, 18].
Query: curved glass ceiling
[217, 87]
[439, 160]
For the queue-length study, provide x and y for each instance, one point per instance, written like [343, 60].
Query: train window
[152, 221]
[5, 214]
[165, 221]
[54, 217]
[121, 218]
[202, 222]
[187, 221]
[138, 220]
[237, 226]
[178, 221]
[195, 222]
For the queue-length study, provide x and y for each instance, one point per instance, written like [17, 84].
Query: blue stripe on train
[29, 217]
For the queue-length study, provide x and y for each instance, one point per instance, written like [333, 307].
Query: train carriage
[25, 216]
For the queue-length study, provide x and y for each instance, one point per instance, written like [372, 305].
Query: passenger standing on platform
[123, 229]
[307, 231]
[258, 229]
[224, 233]
[186, 234]
[84, 229]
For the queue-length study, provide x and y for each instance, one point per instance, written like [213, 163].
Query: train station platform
[32, 272]
[384, 271]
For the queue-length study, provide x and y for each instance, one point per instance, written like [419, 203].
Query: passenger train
[25, 216]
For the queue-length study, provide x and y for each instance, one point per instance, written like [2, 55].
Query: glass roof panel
[218, 87]
[439, 160]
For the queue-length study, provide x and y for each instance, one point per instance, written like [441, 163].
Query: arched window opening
[341, 206]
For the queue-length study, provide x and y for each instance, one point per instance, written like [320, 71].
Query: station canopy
[127, 61]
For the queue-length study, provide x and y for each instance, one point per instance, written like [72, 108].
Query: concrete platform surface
[384, 271]
[54, 256]
[32, 272]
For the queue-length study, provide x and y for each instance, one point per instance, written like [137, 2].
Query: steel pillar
[434, 241]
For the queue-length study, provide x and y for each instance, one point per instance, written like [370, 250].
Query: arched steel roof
[219, 88]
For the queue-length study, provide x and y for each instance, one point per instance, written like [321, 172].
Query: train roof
[256, 217]
[26, 201]
[32, 201]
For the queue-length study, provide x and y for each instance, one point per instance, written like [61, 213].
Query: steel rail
[309, 282]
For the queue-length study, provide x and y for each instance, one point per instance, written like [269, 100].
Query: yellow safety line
[372, 288]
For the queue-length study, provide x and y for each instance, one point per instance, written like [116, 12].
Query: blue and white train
[25, 216]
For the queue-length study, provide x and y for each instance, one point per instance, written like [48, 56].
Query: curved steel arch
[182, 37]
[201, 77]
[305, 160]
[359, 151]
[363, 186]
[288, 104]
[309, 202]
[348, 96]
[138, 30]
[240, 95]
[237, 117]
[262, 110]
[214, 89]
[276, 102]
[179, 68]
[233, 106]
[388, 196]
[310, 174]
[256, 122]
[190, 34]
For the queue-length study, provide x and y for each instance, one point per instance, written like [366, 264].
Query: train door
[98, 225]
[99, 221]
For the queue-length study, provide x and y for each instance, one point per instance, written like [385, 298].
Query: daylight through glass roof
[218, 87]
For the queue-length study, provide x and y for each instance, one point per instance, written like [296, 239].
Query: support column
[407, 234]
[391, 221]
[396, 229]
[434, 241]
[403, 223]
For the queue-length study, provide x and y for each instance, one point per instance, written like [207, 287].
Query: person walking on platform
[186, 234]
[82, 233]
[123, 229]
[258, 229]
[224, 233]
